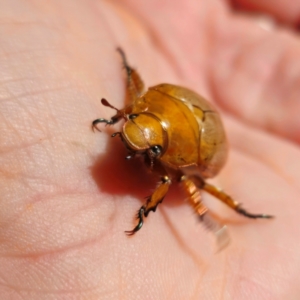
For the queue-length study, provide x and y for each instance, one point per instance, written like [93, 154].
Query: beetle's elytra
[179, 135]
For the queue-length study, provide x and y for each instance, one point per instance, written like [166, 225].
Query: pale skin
[68, 194]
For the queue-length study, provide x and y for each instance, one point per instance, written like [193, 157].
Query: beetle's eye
[156, 150]
[133, 116]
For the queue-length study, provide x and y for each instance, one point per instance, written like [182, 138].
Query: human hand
[68, 194]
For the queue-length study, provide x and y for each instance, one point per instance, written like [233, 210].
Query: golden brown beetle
[181, 137]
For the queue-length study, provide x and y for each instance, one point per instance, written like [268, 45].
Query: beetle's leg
[152, 202]
[194, 197]
[116, 118]
[135, 84]
[231, 203]
[101, 120]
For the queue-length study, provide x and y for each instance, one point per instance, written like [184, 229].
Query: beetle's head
[144, 134]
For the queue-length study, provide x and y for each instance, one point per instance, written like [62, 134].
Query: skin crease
[67, 194]
[287, 13]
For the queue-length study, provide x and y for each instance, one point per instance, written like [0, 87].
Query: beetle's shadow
[117, 176]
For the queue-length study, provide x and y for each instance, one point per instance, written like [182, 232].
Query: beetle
[181, 137]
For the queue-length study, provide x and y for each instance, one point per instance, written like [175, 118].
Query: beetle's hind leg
[230, 202]
[194, 197]
[135, 84]
[151, 204]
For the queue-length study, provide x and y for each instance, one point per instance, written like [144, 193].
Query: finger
[287, 11]
[255, 76]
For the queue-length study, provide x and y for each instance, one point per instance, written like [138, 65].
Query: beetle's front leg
[121, 114]
[151, 204]
[101, 120]
[135, 84]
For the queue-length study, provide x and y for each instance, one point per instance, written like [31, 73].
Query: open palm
[67, 194]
